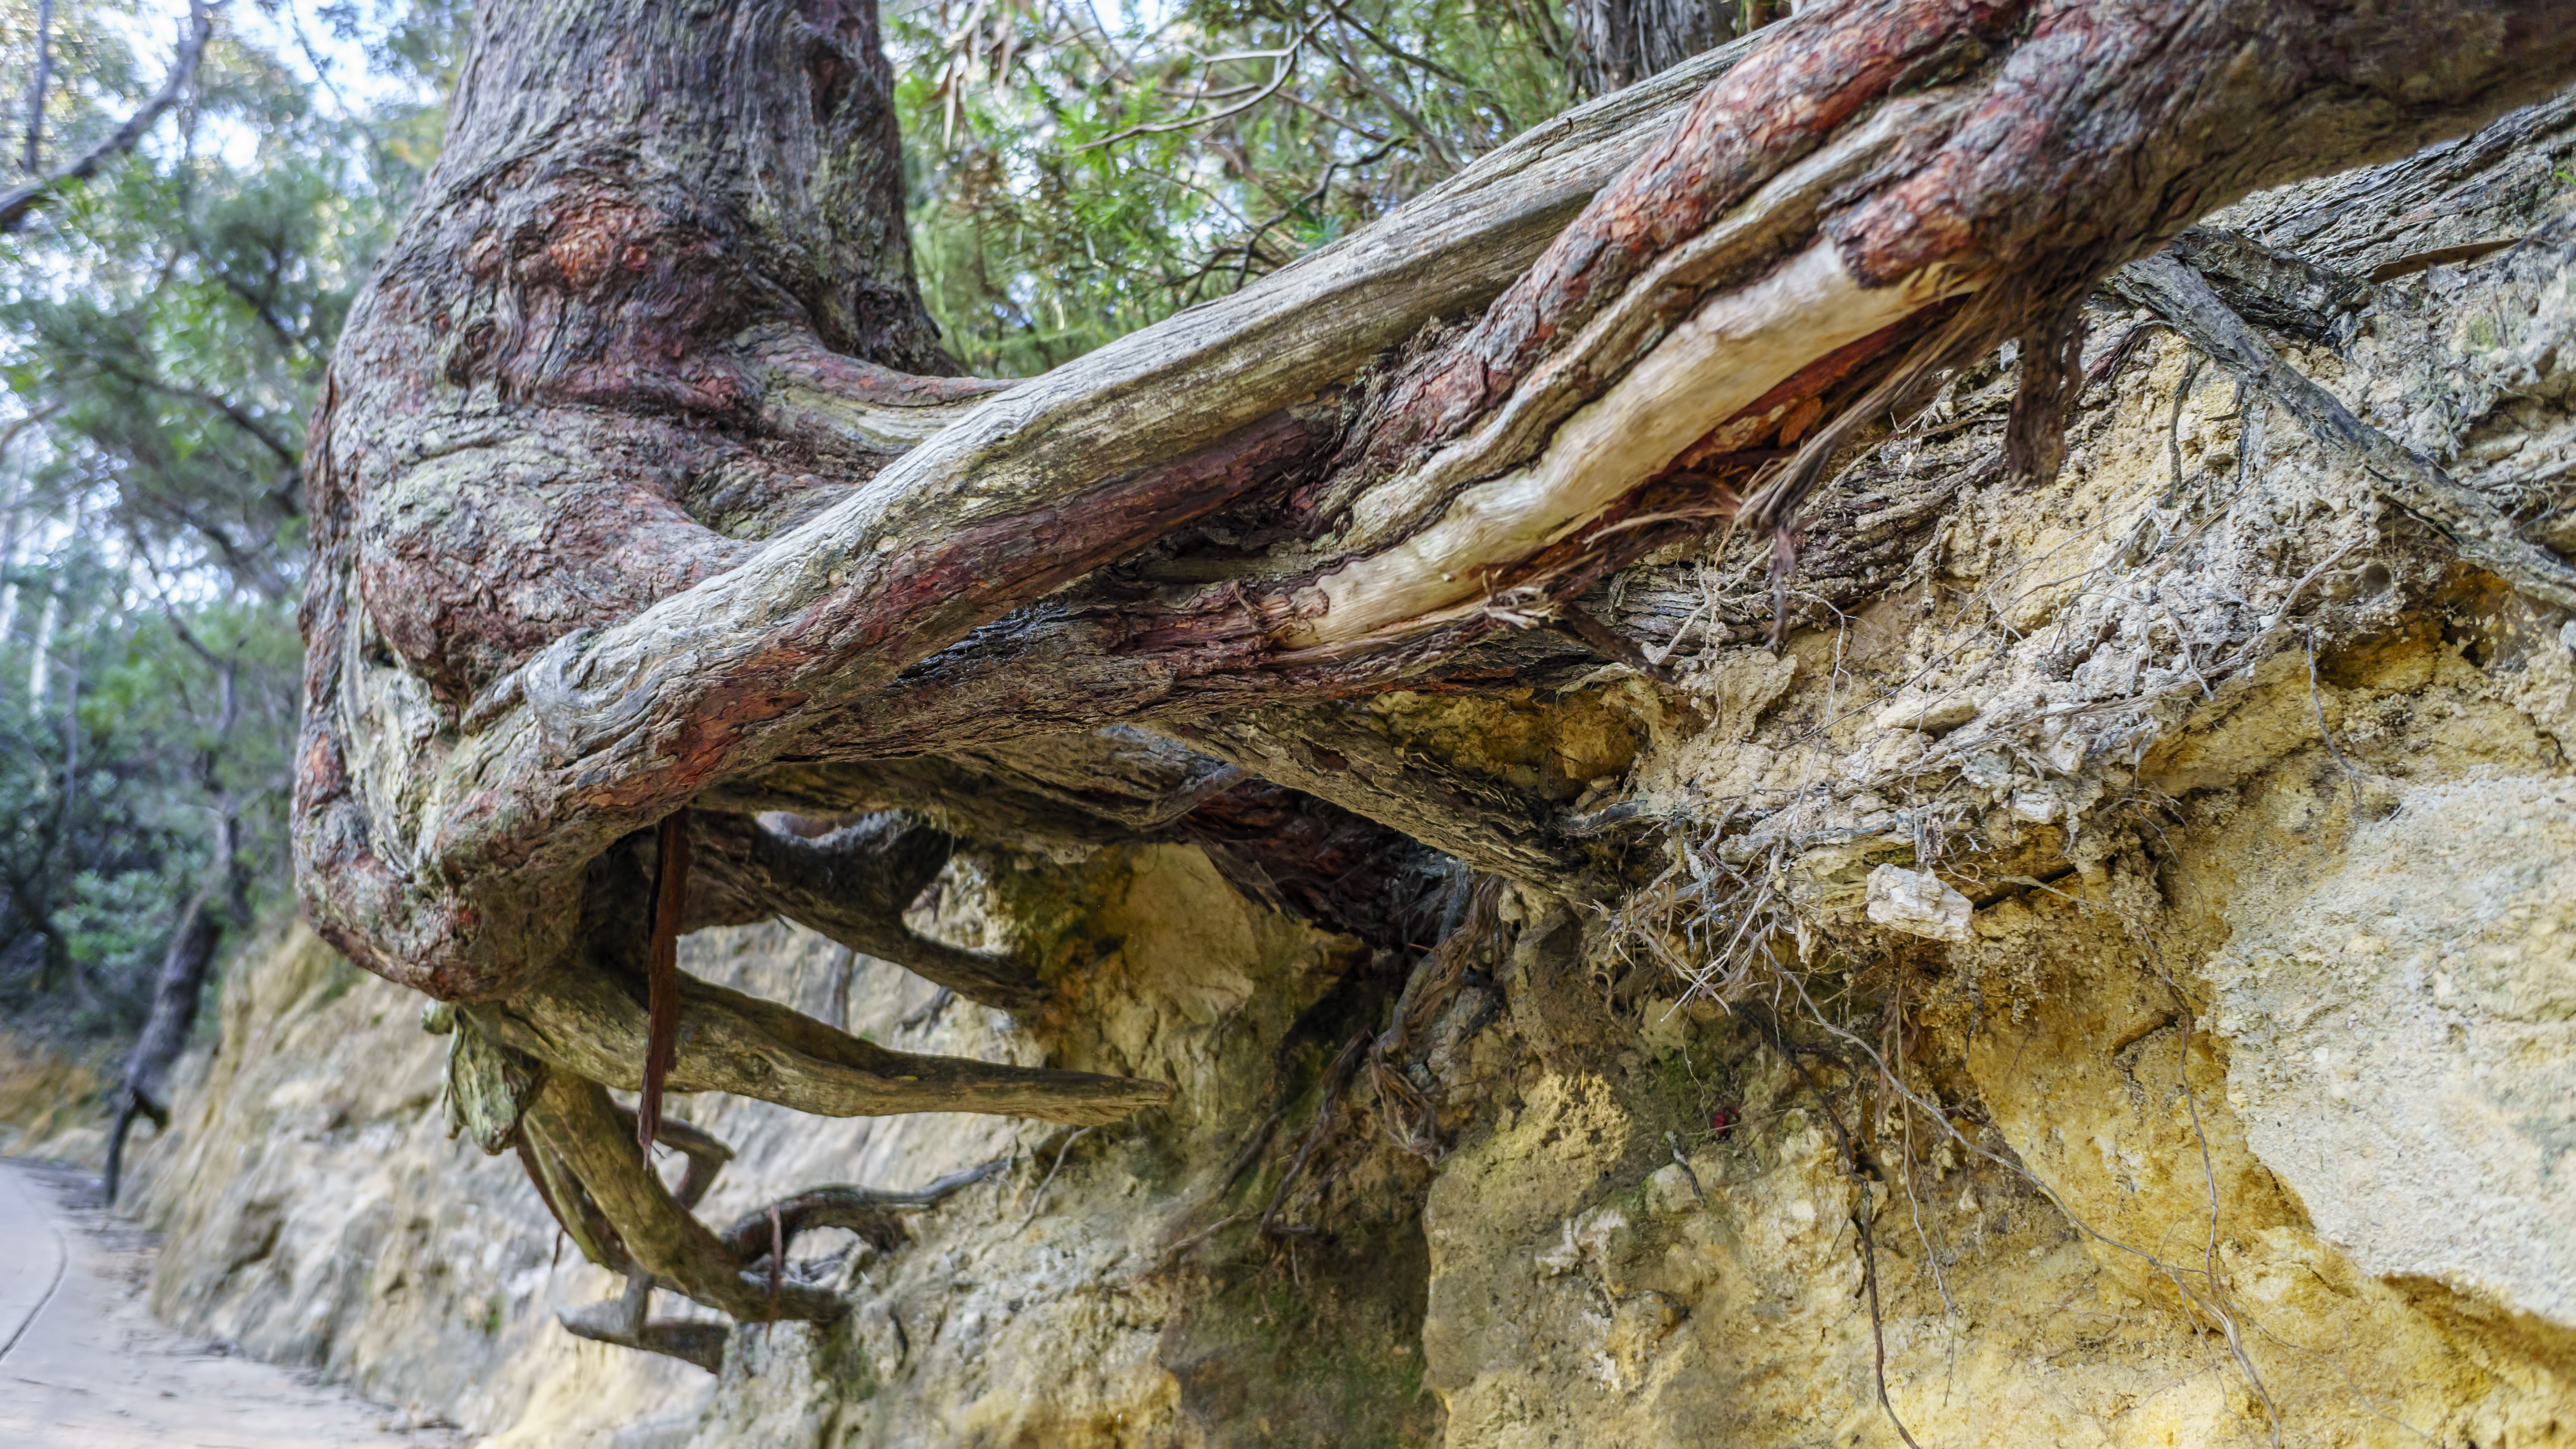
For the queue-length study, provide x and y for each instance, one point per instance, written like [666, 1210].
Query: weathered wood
[853, 885]
[1326, 752]
[587, 1024]
[1620, 42]
[1328, 861]
[2271, 288]
[2475, 527]
[176, 990]
[487, 1088]
[961, 799]
[699, 1343]
[705, 1153]
[398, 896]
[869, 1212]
[636, 482]
[576, 1121]
[220, 906]
[662, 972]
[571, 1206]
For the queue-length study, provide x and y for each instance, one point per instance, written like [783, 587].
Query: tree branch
[34, 157]
[17, 204]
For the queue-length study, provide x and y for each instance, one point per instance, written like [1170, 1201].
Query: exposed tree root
[2474, 526]
[1759, 277]
[578, 1151]
[739, 547]
[867, 1211]
[662, 973]
[1325, 751]
[853, 885]
[612, 1321]
[574, 1122]
[589, 1025]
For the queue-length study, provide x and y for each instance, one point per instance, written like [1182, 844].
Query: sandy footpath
[83, 1365]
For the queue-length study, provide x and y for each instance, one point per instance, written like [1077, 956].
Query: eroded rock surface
[2239, 1100]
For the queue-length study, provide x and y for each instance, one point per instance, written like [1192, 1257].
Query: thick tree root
[580, 1150]
[852, 885]
[699, 1343]
[575, 1123]
[964, 799]
[1293, 840]
[1328, 753]
[705, 1153]
[866, 1211]
[588, 1024]
[1254, 502]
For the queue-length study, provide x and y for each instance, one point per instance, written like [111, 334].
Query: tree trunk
[1620, 42]
[640, 483]
[220, 904]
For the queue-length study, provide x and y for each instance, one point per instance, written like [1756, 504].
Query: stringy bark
[638, 481]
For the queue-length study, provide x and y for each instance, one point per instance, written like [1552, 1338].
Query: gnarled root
[866, 1211]
[852, 885]
[612, 1321]
[579, 1148]
[587, 1023]
[576, 1124]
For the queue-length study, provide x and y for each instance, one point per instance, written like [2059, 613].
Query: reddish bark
[572, 401]
[662, 973]
[1778, 105]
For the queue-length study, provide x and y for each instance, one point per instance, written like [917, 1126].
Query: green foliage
[164, 328]
[1079, 175]
[114, 749]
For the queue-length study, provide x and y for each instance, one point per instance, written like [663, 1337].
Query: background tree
[1079, 173]
[166, 321]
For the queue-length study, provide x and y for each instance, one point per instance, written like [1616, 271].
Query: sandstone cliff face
[2163, 882]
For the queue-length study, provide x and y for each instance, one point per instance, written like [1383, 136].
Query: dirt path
[84, 1366]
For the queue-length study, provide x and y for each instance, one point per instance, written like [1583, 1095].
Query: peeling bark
[638, 483]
